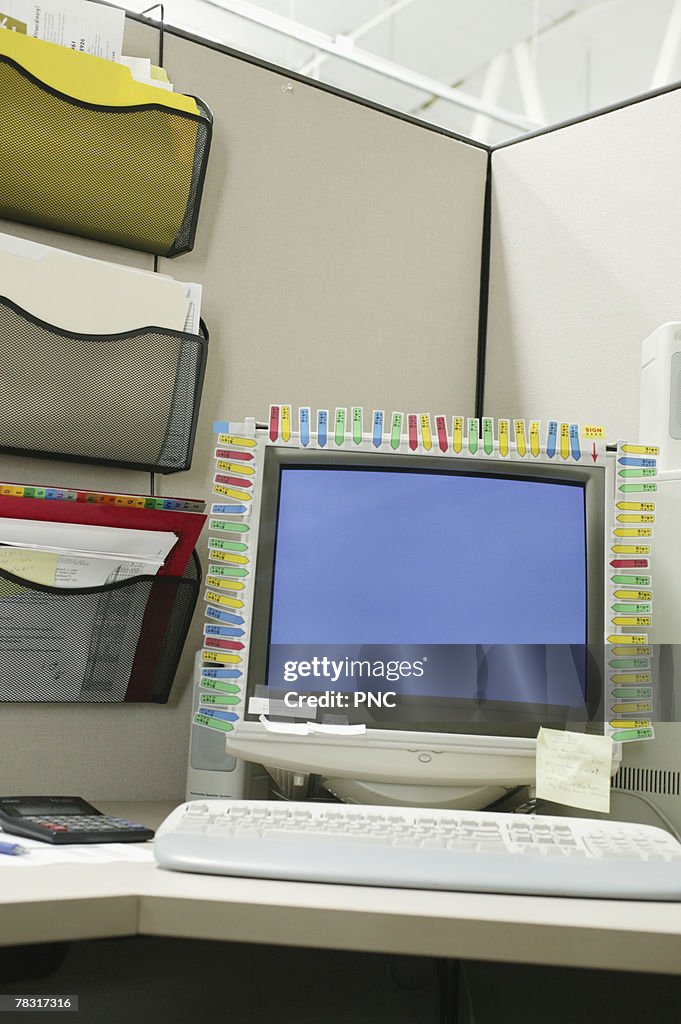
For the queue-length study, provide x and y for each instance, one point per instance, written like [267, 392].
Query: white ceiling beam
[526, 70]
[313, 66]
[343, 47]
[491, 90]
[670, 44]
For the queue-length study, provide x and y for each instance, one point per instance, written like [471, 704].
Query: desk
[68, 902]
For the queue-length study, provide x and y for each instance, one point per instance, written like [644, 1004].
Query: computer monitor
[416, 619]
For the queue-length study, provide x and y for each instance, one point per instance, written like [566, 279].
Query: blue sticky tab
[225, 716]
[322, 427]
[645, 463]
[211, 630]
[552, 438]
[227, 510]
[304, 422]
[378, 429]
[223, 616]
[220, 673]
[221, 427]
[574, 442]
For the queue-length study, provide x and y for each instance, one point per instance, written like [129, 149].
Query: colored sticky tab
[473, 435]
[274, 422]
[628, 640]
[304, 425]
[221, 644]
[574, 768]
[640, 449]
[634, 595]
[637, 488]
[637, 678]
[396, 430]
[635, 734]
[230, 492]
[633, 620]
[631, 549]
[564, 440]
[286, 423]
[520, 439]
[593, 433]
[220, 657]
[221, 544]
[441, 429]
[631, 581]
[504, 436]
[575, 449]
[636, 663]
[224, 583]
[535, 446]
[218, 555]
[218, 699]
[234, 481]
[412, 431]
[636, 708]
[222, 616]
[235, 467]
[552, 438]
[213, 723]
[212, 629]
[629, 473]
[640, 650]
[322, 427]
[636, 723]
[357, 424]
[211, 672]
[426, 436]
[377, 431]
[633, 692]
[224, 525]
[631, 517]
[239, 442]
[219, 685]
[228, 510]
[457, 434]
[633, 531]
[636, 506]
[339, 435]
[213, 597]
[488, 435]
[637, 608]
[233, 453]
[629, 461]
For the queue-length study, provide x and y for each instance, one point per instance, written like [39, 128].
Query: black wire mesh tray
[131, 175]
[116, 643]
[129, 400]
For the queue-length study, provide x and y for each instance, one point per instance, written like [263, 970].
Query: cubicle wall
[584, 264]
[340, 250]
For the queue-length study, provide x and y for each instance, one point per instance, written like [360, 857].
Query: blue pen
[12, 849]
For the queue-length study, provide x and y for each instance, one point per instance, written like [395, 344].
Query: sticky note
[574, 769]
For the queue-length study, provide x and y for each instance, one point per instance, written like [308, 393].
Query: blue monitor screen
[433, 585]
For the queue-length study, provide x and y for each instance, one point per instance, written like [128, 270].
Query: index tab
[457, 434]
[574, 768]
[274, 422]
[641, 449]
[238, 442]
[322, 427]
[412, 431]
[552, 438]
[339, 436]
[286, 423]
[442, 437]
[564, 440]
[396, 430]
[426, 435]
[304, 425]
[504, 433]
[575, 450]
[534, 438]
[377, 433]
[357, 424]
[473, 435]
[488, 435]
[520, 441]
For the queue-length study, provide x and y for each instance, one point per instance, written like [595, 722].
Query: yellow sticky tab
[535, 446]
[564, 440]
[644, 517]
[520, 442]
[640, 531]
[238, 442]
[628, 639]
[633, 620]
[227, 556]
[221, 657]
[636, 723]
[225, 582]
[457, 434]
[286, 423]
[231, 602]
[631, 549]
[641, 449]
[632, 709]
[234, 467]
[426, 436]
[636, 506]
[633, 595]
[594, 433]
[504, 432]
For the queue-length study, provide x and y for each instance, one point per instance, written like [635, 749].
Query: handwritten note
[574, 769]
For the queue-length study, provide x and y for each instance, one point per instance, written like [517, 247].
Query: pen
[12, 849]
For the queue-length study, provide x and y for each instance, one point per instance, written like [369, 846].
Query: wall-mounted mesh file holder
[86, 150]
[127, 400]
[117, 643]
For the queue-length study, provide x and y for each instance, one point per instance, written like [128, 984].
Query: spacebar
[350, 864]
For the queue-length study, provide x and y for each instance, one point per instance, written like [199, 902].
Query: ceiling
[486, 69]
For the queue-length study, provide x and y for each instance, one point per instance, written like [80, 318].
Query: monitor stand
[358, 791]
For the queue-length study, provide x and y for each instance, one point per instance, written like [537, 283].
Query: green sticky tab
[635, 663]
[223, 525]
[637, 472]
[340, 426]
[213, 723]
[226, 545]
[638, 488]
[219, 684]
[234, 571]
[218, 698]
[632, 581]
[357, 425]
[633, 609]
[396, 430]
[633, 692]
[487, 435]
[624, 735]
[473, 436]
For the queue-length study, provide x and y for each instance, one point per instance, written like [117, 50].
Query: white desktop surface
[69, 902]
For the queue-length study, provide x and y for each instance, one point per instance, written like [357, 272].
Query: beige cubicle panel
[584, 264]
[339, 248]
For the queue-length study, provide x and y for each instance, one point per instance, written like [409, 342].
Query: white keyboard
[467, 851]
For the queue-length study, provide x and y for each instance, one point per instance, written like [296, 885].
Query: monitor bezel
[591, 478]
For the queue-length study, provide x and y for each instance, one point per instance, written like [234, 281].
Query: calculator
[66, 819]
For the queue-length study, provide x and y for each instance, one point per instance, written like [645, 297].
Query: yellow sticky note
[574, 769]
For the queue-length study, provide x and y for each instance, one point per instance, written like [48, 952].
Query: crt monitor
[416, 620]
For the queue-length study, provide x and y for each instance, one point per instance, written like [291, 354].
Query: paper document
[43, 854]
[54, 570]
[75, 24]
[109, 542]
[89, 296]
[574, 769]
